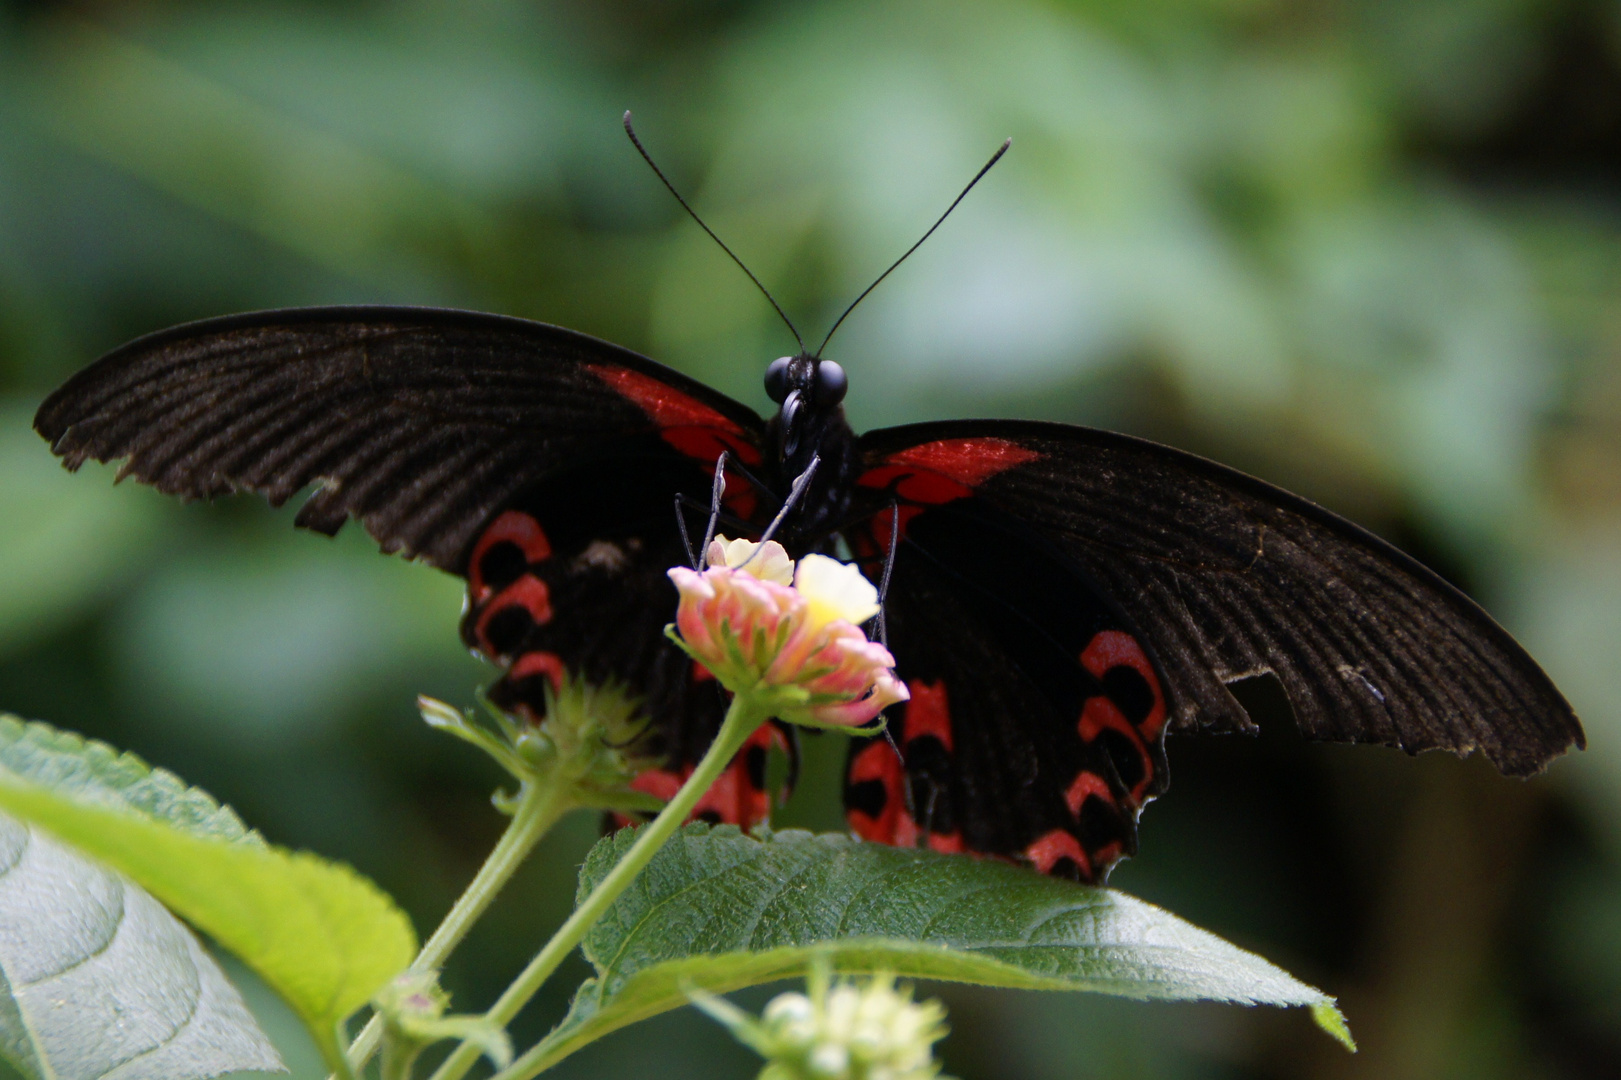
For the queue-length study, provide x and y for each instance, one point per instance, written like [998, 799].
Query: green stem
[539, 807]
[741, 722]
[341, 1069]
[397, 1062]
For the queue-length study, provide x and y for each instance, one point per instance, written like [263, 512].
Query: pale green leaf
[99, 982]
[318, 933]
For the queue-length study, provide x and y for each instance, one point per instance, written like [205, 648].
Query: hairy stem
[539, 807]
[741, 721]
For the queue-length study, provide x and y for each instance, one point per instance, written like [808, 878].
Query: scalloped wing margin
[419, 423]
[1228, 577]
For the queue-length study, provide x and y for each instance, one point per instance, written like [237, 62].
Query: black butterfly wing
[1225, 576]
[419, 423]
[539, 463]
[1036, 722]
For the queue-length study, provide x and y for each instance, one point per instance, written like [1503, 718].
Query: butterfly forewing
[1226, 577]
[540, 464]
[420, 423]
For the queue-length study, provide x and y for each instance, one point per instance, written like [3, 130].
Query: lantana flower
[839, 1031]
[790, 635]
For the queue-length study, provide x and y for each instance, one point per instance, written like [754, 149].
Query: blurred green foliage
[1368, 249]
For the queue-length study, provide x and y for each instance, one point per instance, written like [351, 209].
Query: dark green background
[1369, 250]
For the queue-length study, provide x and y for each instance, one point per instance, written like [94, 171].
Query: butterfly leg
[681, 503]
[715, 494]
[800, 484]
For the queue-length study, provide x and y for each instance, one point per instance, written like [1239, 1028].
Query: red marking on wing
[967, 461]
[733, 798]
[548, 664]
[911, 485]
[938, 472]
[701, 673]
[660, 783]
[1115, 648]
[529, 593]
[512, 527]
[1057, 845]
[1099, 713]
[739, 496]
[928, 713]
[686, 423]
[879, 762]
[1085, 785]
[883, 520]
[948, 843]
[707, 443]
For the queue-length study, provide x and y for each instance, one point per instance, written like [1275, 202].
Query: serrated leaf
[322, 936]
[99, 982]
[93, 772]
[721, 910]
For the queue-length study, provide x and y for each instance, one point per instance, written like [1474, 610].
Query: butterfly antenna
[640, 149]
[977, 177]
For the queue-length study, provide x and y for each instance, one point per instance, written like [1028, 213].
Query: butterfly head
[808, 391]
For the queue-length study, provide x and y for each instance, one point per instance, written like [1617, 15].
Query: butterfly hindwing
[1036, 719]
[1227, 577]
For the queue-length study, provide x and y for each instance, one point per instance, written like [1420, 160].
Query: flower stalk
[786, 642]
[742, 718]
[577, 757]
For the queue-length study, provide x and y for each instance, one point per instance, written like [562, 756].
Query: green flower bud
[840, 1031]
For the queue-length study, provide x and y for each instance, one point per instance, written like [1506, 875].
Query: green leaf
[318, 933]
[722, 910]
[144, 999]
[95, 773]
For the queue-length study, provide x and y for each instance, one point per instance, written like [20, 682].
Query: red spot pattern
[1098, 714]
[1115, 648]
[512, 527]
[938, 472]
[686, 423]
[1055, 845]
[884, 520]
[548, 664]
[968, 461]
[529, 593]
[878, 761]
[733, 797]
[1085, 786]
[701, 673]
[947, 843]
[928, 713]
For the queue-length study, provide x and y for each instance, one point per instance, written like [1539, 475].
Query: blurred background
[1367, 249]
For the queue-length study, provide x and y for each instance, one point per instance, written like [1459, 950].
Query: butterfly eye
[776, 378]
[831, 383]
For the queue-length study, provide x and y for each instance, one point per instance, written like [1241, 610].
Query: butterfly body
[1060, 598]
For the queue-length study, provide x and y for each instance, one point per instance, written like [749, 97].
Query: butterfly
[1057, 598]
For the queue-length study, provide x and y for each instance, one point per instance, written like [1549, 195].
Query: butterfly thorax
[810, 426]
[825, 437]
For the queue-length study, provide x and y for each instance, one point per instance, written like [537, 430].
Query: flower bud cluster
[587, 743]
[788, 635]
[842, 1031]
